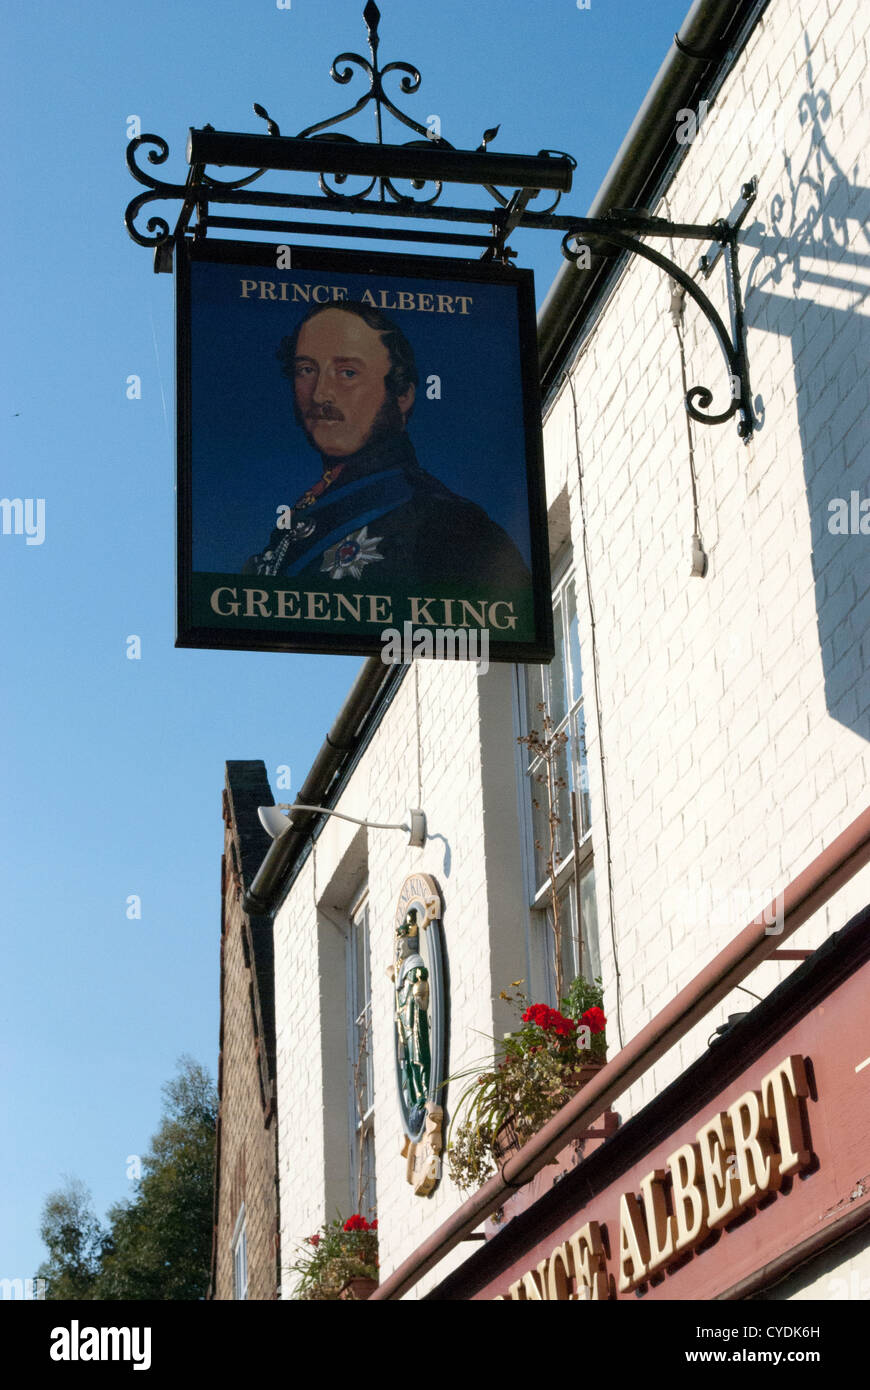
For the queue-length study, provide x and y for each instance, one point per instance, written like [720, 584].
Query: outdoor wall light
[277, 824]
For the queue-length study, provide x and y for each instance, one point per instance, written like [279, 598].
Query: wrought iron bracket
[624, 227]
[427, 163]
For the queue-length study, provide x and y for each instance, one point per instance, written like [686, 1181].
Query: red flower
[550, 1020]
[594, 1019]
[374, 1225]
[314, 1240]
[356, 1223]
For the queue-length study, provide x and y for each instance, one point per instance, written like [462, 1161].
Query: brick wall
[247, 1126]
[447, 735]
[735, 709]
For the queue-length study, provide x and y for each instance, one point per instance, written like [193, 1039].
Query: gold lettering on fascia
[737, 1158]
[581, 1257]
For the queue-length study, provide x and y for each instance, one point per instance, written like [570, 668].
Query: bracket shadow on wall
[427, 162]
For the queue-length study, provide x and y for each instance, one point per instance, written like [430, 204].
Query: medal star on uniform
[352, 554]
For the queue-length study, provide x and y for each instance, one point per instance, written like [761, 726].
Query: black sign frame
[538, 645]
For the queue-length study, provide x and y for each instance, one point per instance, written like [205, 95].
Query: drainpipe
[827, 873]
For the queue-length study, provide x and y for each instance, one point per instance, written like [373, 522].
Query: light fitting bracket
[278, 825]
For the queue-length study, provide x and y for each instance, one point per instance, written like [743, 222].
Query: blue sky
[113, 768]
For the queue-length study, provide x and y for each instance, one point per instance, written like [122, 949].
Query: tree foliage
[157, 1244]
[74, 1240]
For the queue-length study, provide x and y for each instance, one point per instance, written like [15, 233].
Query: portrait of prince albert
[370, 509]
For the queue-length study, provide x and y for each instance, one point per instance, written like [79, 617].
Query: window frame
[239, 1255]
[361, 1128]
[578, 858]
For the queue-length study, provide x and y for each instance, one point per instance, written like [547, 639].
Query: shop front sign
[737, 1157]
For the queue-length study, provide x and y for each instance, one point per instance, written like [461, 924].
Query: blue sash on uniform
[349, 509]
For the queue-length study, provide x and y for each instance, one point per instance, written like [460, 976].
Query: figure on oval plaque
[412, 1017]
[420, 1028]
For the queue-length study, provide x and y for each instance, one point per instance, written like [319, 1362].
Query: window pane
[534, 697]
[574, 644]
[565, 828]
[568, 941]
[561, 683]
[556, 669]
[564, 835]
[361, 1004]
[368, 1196]
[581, 772]
[568, 930]
[539, 822]
[589, 925]
[363, 1194]
[240, 1265]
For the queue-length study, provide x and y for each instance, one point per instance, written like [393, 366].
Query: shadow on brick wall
[817, 247]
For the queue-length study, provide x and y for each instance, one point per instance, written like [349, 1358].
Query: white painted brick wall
[735, 709]
[465, 738]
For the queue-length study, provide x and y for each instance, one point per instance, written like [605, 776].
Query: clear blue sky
[113, 768]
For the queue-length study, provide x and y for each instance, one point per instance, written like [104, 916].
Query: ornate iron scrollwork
[157, 225]
[380, 197]
[200, 183]
[732, 344]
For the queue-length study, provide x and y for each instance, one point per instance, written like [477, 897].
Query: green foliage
[333, 1256]
[584, 995]
[158, 1244]
[75, 1240]
[535, 1072]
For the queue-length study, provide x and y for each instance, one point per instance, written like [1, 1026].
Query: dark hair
[403, 368]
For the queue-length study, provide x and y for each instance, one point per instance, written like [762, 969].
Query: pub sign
[359, 449]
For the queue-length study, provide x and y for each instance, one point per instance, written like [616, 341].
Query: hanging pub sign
[360, 464]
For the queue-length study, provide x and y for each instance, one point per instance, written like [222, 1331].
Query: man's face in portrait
[341, 394]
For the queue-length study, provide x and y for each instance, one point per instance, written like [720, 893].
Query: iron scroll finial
[372, 17]
[202, 186]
